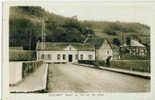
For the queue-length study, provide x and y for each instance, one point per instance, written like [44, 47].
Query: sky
[101, 12]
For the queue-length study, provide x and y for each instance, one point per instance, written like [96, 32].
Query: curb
[128, 73]
[132, 73]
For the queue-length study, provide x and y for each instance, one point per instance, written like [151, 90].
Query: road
[74, 78]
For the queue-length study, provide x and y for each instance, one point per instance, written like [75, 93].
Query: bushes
[21, 55]
[134, 65]
[92, 62]
[128, 57]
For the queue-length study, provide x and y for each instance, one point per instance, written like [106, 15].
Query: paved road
[74, 78]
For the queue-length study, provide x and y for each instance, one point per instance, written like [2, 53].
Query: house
[134, 49]
[71, 52]
[104, 50]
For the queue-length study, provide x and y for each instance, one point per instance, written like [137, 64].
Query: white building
[71, 52]
[64, 52]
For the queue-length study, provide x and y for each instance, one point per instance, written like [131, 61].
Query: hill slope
[25, 28]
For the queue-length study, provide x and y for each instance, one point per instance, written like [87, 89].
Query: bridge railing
[18, 70]
[29, 67]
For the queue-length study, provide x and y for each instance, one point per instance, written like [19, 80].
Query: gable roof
[133, 43]
[58, 46]
[136, 43]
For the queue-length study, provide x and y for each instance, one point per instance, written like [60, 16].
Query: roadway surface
[74, 78]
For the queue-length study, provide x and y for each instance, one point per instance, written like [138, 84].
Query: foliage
[128, 40]
[128, 57]
[26, 31]
[25, 28]
[20, 55]
[92, 62]
[23, 33]
[135, 65]
[33, 10]
[116, 41]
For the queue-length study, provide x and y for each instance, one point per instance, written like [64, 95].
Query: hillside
[25, 28]
[111, 30]
[26, 25]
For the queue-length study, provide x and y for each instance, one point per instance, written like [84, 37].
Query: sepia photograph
[79, 48]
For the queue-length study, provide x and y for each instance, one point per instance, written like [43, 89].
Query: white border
[107, 96]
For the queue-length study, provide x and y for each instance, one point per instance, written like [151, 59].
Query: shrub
[21, 55]
[93, 62]
[135, 65]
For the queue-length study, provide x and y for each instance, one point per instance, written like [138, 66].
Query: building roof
[136, 43]
[133, 43]
[58, 46]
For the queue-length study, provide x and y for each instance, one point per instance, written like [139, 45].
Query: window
[90, 57]
[137, 50]
[49, 56]
[58, 56]
[107, 52]
[42, 56]
[39, 56]
[64, 57]
[76, 56]
[81, 57]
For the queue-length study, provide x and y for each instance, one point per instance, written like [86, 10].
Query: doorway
[70, 58]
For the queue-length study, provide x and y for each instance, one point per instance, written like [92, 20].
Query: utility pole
[43, 37]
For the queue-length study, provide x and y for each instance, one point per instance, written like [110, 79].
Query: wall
[15, 72]
[67, 53]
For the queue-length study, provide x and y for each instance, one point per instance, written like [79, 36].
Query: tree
[116, 41]
[128, 40]
[23, 33]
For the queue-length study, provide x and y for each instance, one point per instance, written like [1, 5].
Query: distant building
[72, 52]
[134, 49]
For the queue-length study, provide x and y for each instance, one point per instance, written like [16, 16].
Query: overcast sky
[102, 12]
